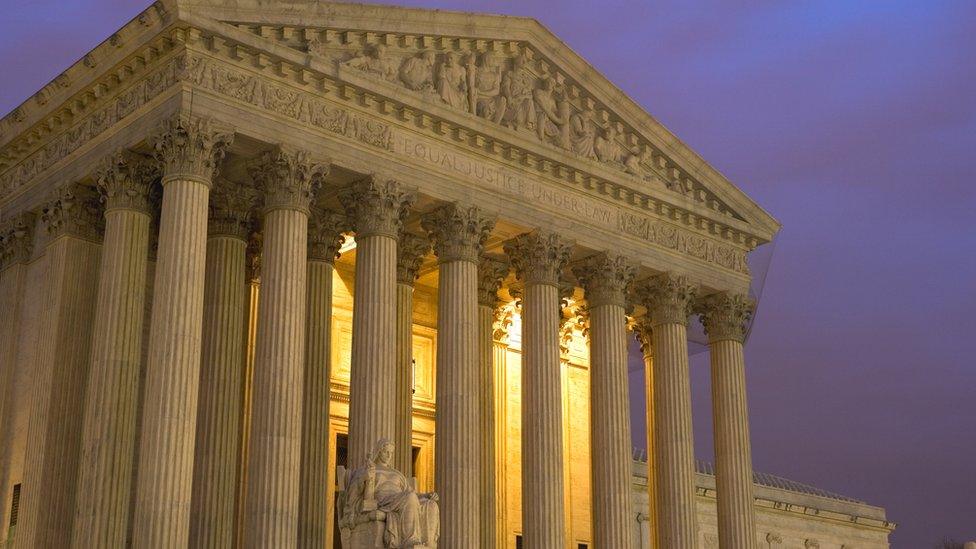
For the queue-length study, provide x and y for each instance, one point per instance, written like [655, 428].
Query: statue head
[383, 452]
[429, 56]
[451, 59]
[488, 59]
[379, 51]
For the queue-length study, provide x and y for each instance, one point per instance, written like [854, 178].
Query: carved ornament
[539, 257]
[325, 234]
[458, 232]
[724, 316]
[288, 178]
[124, 180]
[491, 273]
[411, 250]
[16, 240]
[376, 206]
[667, 297]
[73, 210]
[605, 278]
[230, 208]
[190, 148]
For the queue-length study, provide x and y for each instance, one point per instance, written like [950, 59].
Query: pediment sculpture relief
[380, 508]
[514, 92]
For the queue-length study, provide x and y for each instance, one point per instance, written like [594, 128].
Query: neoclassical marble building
[242, 240]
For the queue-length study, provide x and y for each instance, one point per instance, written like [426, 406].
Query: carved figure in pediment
[634, 164]
[417, 73]
[485, 88]
[374, 61]
[583, 134]
[607, 148]
[552, 112]
[517, 86]
[452, 83]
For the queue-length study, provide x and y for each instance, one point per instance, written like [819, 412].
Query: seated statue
[380, 508]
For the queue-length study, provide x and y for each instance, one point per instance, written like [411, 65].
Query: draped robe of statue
[412, 519]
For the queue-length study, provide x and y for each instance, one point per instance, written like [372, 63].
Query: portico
[442, 200]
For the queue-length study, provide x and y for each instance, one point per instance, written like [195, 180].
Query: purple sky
[854, 124]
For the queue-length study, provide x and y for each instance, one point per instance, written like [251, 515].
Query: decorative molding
[288, 178]
[458, 232]
[539, 257]
[325, 234]
[605, 278]
[492, 271]
[667, 297]
[17, 239]
[124, 180]
[376, 206]
[190, 148]
[724, 316]
[411, 250]
[73, 210]
[231, 205]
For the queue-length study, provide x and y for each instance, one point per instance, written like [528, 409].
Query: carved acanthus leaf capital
[230, 208]
[539, 256]
[644, 333]
[724, 316]
[605, 278]
[458, 232]
[502, 321]
[288, 178]
[376, 207]
[16, 239]
[190, 148]
[491, 272]
[325, 234]
[73, 210]
[124, 180]
[667, 297]
[255, 245]
[411, 250]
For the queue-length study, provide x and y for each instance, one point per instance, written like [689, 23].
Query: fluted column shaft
[605, 278]
[324, 240]
[404, 379]
[189, 151]
[538, 259]
[499, 478]
[16, 246]
[645, 336]
[411, 250]
[668, 300]
[216, 471]
[458, 234]
[109, 433]
[288, 179]
[58, 396]
[376, 209]
[724, 317]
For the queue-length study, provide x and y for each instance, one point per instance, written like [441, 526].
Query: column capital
[668, 298]
[605, 278]
[252, 258]
[124, 179]
[376, 207]
[288, 177]
[411, 250]
[73, 210]
[190, 148]
[325, 228]
[502, 321]
[16, 239]
[724, 315]
[539, 256]
[491, 272]
[230, 209]
[458, 232]
[643, 332]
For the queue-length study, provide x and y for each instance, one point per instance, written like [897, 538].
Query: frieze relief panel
[507, 83]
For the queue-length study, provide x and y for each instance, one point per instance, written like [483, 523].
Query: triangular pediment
[510, 72]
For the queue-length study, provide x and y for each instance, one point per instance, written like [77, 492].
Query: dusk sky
[854, 124]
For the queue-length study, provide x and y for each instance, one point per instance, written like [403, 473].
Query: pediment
[506, 73]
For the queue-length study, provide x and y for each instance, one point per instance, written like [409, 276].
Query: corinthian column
[458, 234]
[73, 221]
[189, 151]
[324, 240]
[109, 433]
[215, 462]
[724, 317]
[539, 258]
[376, 209]
[668, 300]
[16, 246]
[410, 254]
[491, 272]
[289, 180]
[605, 278]
[645, 337]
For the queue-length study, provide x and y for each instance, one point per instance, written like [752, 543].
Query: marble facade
[241, 241]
